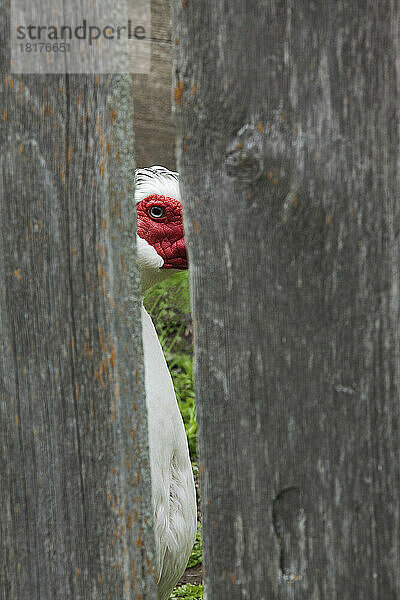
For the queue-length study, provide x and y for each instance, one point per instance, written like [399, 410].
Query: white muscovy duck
[161, 251]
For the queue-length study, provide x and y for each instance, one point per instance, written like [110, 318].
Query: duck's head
[161, 248]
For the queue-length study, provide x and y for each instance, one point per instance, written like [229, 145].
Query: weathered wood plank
[288, 152]
[154, 127]
[75, 507]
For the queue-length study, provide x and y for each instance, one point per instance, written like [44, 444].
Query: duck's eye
[157, 212]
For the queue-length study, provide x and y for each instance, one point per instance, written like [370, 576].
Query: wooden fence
[288, 117]
[75, 506]
[288, 145]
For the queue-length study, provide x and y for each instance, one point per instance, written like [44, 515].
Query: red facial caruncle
[160, 223]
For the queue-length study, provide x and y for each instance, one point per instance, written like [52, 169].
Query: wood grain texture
[75, 507]
[5, 50]
[154, 127]
[288, 119]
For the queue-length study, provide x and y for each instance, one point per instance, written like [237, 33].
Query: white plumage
[173, 491]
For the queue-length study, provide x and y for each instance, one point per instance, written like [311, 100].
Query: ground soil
[193, 575]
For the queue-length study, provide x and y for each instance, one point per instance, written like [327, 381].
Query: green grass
[169, 306]
[188, 592]
[196, 558]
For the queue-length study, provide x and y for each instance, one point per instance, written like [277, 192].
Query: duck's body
[173, 491]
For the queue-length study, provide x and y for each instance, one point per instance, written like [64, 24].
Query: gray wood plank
[75, 507]
[154, 127]
[288, 118]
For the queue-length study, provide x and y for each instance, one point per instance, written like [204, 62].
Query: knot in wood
[244, 157]
[289, 523]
